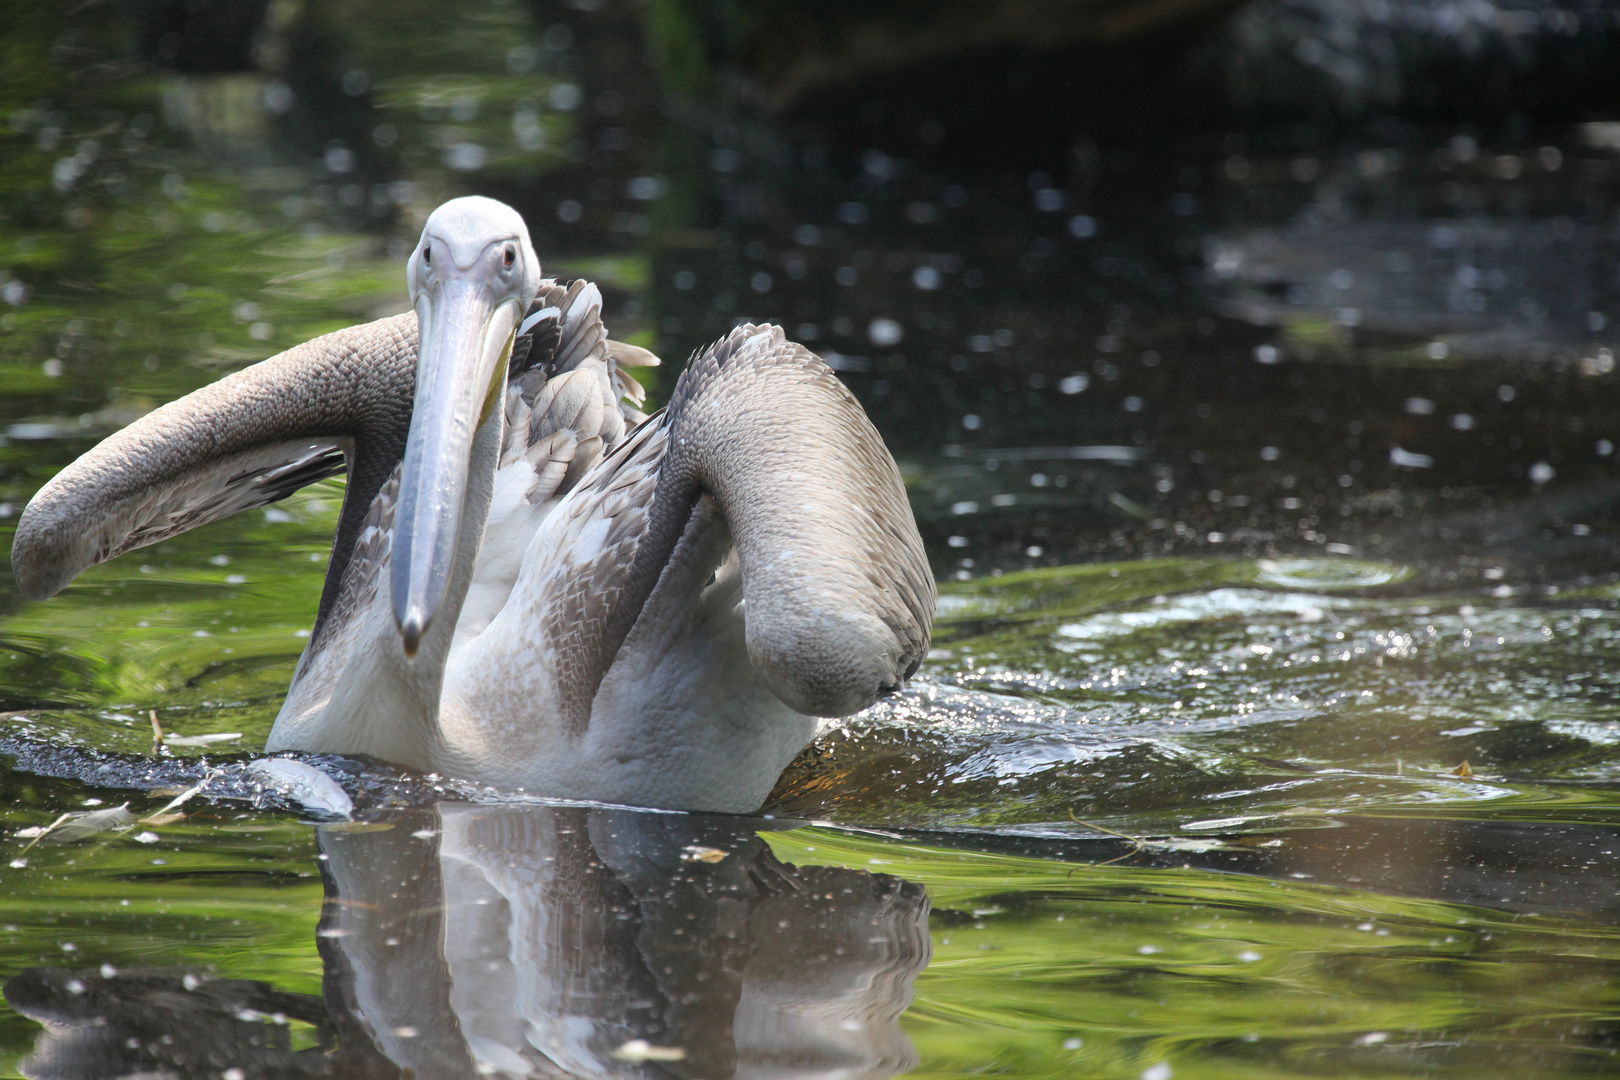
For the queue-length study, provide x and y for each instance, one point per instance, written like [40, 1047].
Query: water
[1267, 467]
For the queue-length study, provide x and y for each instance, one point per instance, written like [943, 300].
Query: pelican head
[471, 277]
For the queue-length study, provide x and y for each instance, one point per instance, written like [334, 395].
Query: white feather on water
[304, 784]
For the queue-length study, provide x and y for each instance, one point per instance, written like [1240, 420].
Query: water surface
[1270, 725]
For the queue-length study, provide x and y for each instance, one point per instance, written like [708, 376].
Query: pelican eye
[427, 253]
[511, 257]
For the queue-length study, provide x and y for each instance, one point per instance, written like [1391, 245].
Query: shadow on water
[1517, 867]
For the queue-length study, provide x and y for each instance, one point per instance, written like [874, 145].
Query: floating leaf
[159, 820]
[699, 853]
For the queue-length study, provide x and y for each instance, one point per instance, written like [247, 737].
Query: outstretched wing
[341, 401]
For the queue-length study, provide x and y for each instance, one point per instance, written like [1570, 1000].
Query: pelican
[532, 585]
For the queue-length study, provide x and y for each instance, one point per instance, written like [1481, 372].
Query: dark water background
[1251, 368]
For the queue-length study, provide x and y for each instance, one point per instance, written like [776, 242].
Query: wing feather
[566, 406]
[227, 487]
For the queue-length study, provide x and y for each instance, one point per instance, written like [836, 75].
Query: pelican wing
[838, 591]
[762, 446]
[568, 402]
[341, 401]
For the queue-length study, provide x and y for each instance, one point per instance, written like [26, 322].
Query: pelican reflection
[536, 942]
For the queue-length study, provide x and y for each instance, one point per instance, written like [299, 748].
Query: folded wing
[762, 448]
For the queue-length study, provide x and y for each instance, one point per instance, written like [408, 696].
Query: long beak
[464, 340]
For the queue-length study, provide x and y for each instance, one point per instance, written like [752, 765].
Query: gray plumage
[636, 610]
